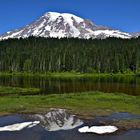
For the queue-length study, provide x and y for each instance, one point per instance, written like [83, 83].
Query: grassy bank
[17, 91]
[87, 104]
[67, 74]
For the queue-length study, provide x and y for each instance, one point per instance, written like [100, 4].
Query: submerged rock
[58, 119]
[98, 129]
[19, 126]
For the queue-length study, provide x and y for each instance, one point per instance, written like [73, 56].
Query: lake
[129, 85]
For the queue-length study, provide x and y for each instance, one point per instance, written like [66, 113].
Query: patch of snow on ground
[19, 126]
[98, 129]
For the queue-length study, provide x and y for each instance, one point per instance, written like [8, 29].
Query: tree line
[44, 55]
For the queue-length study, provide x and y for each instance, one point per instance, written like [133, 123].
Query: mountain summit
[57, 25]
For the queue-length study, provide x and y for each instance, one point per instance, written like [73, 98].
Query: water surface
[129, 85]
[40, 133]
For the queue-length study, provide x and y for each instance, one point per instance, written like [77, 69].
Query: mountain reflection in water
[61, 119]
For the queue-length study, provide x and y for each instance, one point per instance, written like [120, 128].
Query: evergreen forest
[44, 55]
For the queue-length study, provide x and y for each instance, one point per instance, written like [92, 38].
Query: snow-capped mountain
[58, 25]
[57, 119]
[135, 35]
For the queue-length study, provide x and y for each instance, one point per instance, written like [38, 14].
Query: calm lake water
[40, 133]
[128, 85]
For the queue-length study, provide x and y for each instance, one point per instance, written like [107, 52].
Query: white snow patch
[98, 129]
[112, 33]
[59, 34]
[66, 16]
[19, 126]
[36, 29]
[48, 28]
[8, 32]
[13, 35]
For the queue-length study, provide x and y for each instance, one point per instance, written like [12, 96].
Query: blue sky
[118, 14]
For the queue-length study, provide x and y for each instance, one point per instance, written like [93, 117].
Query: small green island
[4, 91]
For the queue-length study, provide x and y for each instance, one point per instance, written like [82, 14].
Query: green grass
[66, 74]
[17, 90]
[87, 104]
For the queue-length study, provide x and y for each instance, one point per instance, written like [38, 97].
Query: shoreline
[68, 74]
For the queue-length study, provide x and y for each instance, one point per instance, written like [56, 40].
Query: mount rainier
[57, 25]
